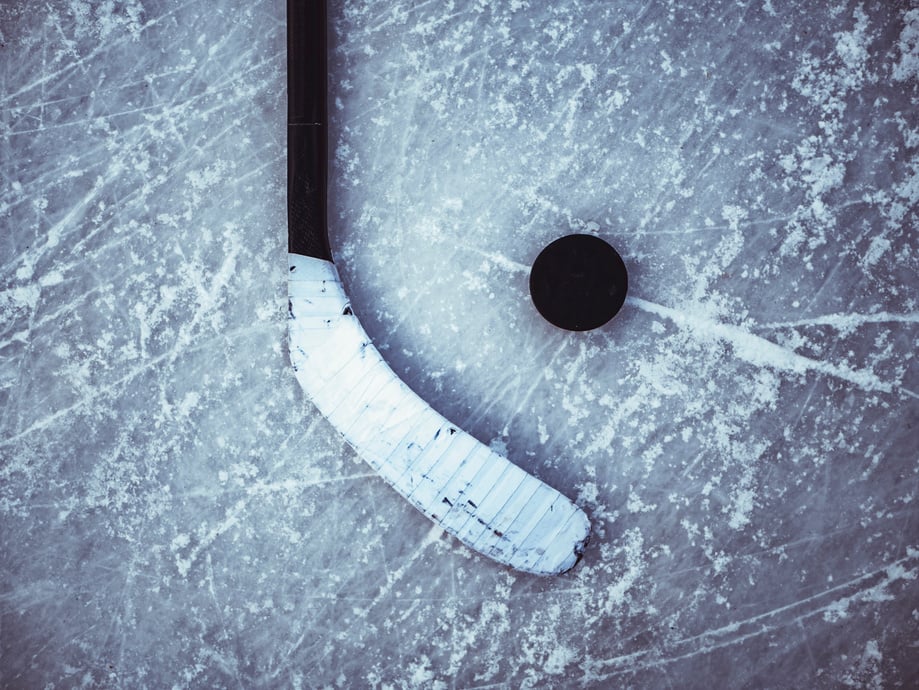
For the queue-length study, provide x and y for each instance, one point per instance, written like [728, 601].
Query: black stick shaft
[307, 134]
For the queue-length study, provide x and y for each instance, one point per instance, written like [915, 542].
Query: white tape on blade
[480, 497]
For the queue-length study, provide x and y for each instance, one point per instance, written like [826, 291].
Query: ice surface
[743, 434]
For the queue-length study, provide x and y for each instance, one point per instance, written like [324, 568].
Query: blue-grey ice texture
[174, 513]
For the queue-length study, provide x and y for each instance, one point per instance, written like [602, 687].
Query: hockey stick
[478, 496]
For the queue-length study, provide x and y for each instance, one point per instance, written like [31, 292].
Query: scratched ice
[743, 435]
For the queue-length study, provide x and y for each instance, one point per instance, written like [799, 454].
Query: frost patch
[101, 20]
[19, 299]
[588, 73]
[558, 659]
[909, 188]
[908, 44]
[734, 215]
[421, 675]
[818, 164]
[743, 506]
[866, 672]
[53, 277]
[822, 174]
[836, 611]
[636, 505]
[850, 46]
[632, 555]
[879, 245]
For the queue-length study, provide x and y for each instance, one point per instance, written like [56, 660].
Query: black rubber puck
[578, 282]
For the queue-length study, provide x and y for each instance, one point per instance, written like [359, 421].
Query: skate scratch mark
[234, 513]
[88, 59]
[392, 578]
[116, 387]
[760, 624]
[846, 322]
[261, 488]
[759, 351]
[433, 535]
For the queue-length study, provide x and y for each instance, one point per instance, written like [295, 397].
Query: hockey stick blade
[475, 494]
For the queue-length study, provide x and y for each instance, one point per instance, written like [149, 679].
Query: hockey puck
[578, 282]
